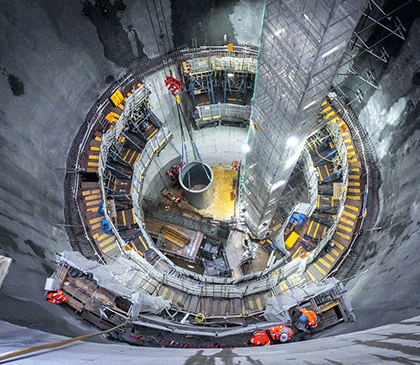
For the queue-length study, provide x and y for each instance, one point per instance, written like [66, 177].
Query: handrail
[371, 201]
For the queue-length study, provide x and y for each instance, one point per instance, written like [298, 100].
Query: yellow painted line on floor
[137, 158]
[318, 206]
[179, 300]
[356, 209]
[354, 216]
[316, 230]
[324, 103]
[165, 291]
[86, 192]
[355, 169]
[332, 201]
[93, 148]
[349, 147]
[310, 275]
[94, 157]
[351, 154]
[92, 197]
[259, 304]
[146, 285]
[310, 227]
[95, 220]
[354, 183]
[95, 236]
[325, 263]
[345, 134]
[356, 177]
[347, 237]
[132, 156]
[319, 173]
[338, 244]
[330, 115]
[101, 237]
[329, 257]
[104, 243]
[96, 191]
[335, 252]
[96, 225]
[164, 268]
[347, 140]
[125, 156]
[353, 197]
[326, 109]
[353, 190]
[154, 132]
[250, 304]
[323, 233]
[320, 269]
[171, 296]
[97, 138]
[123, 216]
[295, 254]
[344, 228]
[347, 221]
[94, 202]
[109, 248]
[92, 164]
[141, 239]
[326, 169]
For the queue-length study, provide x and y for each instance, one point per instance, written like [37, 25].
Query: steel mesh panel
[301, 48]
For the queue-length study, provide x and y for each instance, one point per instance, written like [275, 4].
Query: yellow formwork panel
[117, 97]
[291, 240]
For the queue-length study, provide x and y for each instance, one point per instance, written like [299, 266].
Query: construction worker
[235, 165]
[56, 297]
[176, 199]
[281, 333]
[171, 174]
[260, 339]
[308, 319]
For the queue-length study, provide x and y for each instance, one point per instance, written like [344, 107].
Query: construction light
[277, 185]
[292, 141]
[246, 148]
[230, 74]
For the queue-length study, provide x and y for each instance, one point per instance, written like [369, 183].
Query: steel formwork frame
[301, 47]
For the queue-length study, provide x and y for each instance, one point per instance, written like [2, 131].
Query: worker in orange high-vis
[260, 339]
[56, 297]
[307, 320]
[281, 333]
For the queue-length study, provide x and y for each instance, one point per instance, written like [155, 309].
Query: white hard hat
[284, 337]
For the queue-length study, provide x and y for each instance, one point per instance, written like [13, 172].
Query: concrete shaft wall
[54, 68]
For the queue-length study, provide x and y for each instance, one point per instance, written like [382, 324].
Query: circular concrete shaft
[196, 179]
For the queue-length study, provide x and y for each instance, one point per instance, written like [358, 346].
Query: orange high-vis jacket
[312, 318]
[260, 339]
[57, 297]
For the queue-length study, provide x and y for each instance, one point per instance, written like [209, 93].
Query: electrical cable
[28, 350]
[153, 27]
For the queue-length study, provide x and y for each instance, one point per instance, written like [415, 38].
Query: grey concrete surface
[392, 344]
[54, 67]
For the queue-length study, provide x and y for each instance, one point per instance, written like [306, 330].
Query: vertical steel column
[301, 47]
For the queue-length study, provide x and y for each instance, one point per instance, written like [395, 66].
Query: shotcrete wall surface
[55, 67]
